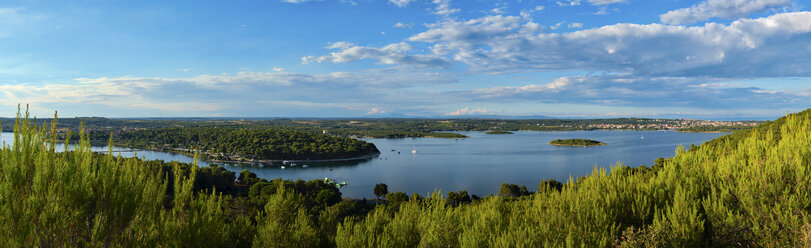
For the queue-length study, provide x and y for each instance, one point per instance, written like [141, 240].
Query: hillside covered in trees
[747, 189]
[264, 144]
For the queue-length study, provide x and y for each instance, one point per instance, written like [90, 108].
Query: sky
[743, 59]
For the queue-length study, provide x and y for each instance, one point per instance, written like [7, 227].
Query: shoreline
[270, 161]
[702, 131]
[250, 161]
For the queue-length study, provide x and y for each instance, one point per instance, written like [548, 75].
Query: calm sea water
[479, 164]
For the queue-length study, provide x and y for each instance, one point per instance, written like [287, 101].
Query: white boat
[415, 150]
[305, 166]
[283, 167]
[293, 164]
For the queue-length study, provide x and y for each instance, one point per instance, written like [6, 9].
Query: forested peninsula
[225, 143]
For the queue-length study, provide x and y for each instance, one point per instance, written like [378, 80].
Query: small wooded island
[576, 142]
[498, 132]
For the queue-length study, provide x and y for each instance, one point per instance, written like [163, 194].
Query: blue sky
[406, 58]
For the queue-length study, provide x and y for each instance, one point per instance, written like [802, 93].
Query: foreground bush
[74, 199]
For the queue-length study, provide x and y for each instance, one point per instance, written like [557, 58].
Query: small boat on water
[415, 149]
[282, 167]
[305, 166]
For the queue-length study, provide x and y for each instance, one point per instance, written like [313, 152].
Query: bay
[479, 164]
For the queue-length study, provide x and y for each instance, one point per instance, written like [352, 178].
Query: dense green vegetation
[498, 132]
[714, 129]
[747, 189]
[264, 144]
[576, 142]
[98, 129]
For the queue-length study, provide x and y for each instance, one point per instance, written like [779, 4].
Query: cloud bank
[773, 46]
[726, 9]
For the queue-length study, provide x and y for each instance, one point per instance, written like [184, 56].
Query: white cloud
[556, 26]
[403, 25]
[539, 8]
[499, 10]
[375, 111]
[304, 1]
[340, 45]
[469, 111]
[308, 59]
[592, 2]
[575, 25]
[477, 30]
[604, 2]
[401, 3]
[554, 86]
[396, 53]
[727, 9]
[443, 7]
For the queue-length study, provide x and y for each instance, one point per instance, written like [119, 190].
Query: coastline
[267, 161]
[364, 157]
